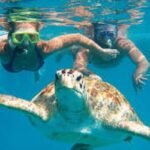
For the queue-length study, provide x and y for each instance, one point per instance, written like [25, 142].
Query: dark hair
[103, 26]
[15, 15]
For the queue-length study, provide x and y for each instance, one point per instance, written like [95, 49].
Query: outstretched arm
[137, 57]
[65, 41]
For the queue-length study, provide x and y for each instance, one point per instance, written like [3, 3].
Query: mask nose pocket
[19, 37]
[33, 37]
[25, 42]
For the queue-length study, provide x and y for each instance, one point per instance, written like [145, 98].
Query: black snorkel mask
[105, 34]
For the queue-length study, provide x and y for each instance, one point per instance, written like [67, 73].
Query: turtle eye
[78, 78]
[63, 72]
[70, 71]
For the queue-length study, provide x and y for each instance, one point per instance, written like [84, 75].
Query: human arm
[64, 41]
[3, 39]
[138, 58]
[81, 61]
[2, 45]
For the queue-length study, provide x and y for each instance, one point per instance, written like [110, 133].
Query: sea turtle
[82, 110]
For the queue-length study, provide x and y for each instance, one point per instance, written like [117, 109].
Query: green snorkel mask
[19, 37]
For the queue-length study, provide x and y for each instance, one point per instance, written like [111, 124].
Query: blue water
[16, 132]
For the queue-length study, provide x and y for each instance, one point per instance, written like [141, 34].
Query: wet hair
[19, 15]
[104, 27]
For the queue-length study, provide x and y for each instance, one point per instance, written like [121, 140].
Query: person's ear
[9, 26]
[4, 23]
[39, 25]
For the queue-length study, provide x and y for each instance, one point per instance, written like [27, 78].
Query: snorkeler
[24, 50]
[112, 36]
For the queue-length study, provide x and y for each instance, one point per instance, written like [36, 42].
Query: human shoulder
[3, 35]
[2, 45]
[122, 31]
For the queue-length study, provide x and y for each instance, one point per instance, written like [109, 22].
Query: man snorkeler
[24, 50]
[112, 36]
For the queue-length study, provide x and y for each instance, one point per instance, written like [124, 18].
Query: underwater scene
[103, 40]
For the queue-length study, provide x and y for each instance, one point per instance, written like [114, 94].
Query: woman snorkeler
[23, 49]
[113, 37]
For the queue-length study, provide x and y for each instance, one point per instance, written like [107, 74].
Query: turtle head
[70, 86]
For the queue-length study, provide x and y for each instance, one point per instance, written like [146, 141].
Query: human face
[105, 36]
[24, 39]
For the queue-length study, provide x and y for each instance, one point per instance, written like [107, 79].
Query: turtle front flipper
[135, 128]
[23, 105]
[82, 147]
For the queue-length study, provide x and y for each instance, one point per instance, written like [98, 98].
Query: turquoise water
[16, 132]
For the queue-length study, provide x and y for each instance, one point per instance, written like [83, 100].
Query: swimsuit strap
[9, 65]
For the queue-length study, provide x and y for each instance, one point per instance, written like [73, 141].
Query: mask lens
[17, 38]
[34, 37]
[103, 34]
[111, 34]
[108, 34]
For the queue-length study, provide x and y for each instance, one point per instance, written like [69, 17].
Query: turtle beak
[58, 78]
[57, 75]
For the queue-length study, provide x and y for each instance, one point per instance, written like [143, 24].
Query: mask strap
[116, 30]
[13, 46]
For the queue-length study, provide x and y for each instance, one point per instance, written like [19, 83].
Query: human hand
[109, 54]
[141, 75]
[139, 80]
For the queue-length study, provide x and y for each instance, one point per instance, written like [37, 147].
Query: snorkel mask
[20, 36]
[105, 34]
[23, 39]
